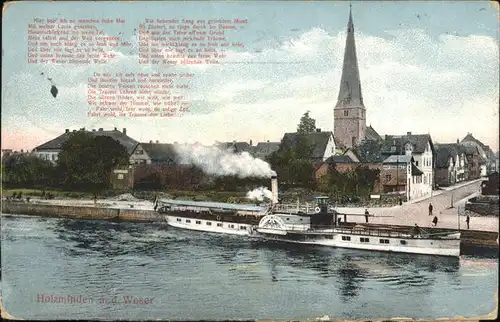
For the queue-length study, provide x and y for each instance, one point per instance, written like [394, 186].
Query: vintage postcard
[250, 160]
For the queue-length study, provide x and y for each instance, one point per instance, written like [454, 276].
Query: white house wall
[330, 148]
[424, 162]
[48, 155]
[139, 156]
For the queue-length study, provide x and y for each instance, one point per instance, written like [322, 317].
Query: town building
[421, 148]
[400, 175]
[50, 150]
[154, 153]
[323, 144]
[488, 157]
[473, 162]
[490, 187]
[264, 149]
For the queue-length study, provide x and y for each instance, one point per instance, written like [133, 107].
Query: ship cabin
[315, 215]
[206, 210]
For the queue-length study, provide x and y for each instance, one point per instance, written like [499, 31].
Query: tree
[27, 170]
[86, 161]
[307, 124]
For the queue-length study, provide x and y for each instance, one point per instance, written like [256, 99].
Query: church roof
[350, 84]
[371, 134]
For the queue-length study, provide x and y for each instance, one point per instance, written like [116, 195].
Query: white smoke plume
[214, 161]
[259, 194]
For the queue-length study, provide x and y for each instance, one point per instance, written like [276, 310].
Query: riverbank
[142, 211]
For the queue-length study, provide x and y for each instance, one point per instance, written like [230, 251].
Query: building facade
[50, 150]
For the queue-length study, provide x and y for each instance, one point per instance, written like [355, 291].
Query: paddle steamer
[314, 223]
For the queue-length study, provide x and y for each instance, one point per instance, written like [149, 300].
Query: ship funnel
[274, 189]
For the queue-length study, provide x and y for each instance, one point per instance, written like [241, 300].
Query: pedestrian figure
[366, 215]
[417, 230]
[435, 221]
[430, 209]
[339, 220]
[156, 206]
[345, 217]
[400, 201]
[467, 220]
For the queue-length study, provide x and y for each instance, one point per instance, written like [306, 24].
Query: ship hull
[440, 247]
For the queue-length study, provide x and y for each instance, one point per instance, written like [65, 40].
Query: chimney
[157, 141]
[250, 142]
[100, 129]
[318, 130]
[408, 133]
[66, 131]
[274, 189]
[150, 141]
[93, 130]
[268, 141]
[116, 129]
[458, 141]
[125, 130]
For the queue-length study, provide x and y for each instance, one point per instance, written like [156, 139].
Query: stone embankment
[79, 212]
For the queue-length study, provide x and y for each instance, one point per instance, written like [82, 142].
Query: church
[349, 114]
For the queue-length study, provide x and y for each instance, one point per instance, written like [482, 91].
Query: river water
[194, 275]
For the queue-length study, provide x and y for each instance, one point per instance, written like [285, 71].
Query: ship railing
[307, 208]
[317, 229]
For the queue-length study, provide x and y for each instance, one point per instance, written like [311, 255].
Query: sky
[425, 67]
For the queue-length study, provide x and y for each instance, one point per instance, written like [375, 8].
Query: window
[198, 222]
[403, 242]
[346, 238]
[346, 113]
[139, 152]
[120, 176]
[231, 226]
[209, 223]
[219, 224]
[364, 240]
[178, 219]
[388, 177]
[188, 221]
[384, 241]
[243, 227]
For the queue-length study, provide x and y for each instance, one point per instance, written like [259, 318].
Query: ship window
[300, 219]
[346, 237]
[198, 222]
[231, 226]
[178, 219]
[403, 242]
[219, 225]
[384, 241]
[364, 240]
[187, 220]
[288, 219]
[209, 223]
[243, 227]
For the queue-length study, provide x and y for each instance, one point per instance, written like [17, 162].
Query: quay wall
[470, 238]
[78, 212]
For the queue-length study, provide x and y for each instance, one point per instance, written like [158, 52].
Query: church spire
[350, 85]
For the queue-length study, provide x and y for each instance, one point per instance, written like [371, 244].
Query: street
[418, 212]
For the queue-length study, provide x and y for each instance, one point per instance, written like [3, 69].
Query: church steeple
[349, 115]
[350, 85]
